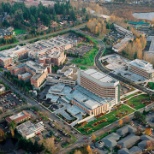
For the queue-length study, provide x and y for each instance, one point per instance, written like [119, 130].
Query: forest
[21, 15]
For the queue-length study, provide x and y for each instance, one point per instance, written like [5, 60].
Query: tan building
[8, 57]
[50, 51]
[19, 117]
[142, 68]
[100, 84]
[128, 36]
[91, 103]
[67, 75]
[32, 71]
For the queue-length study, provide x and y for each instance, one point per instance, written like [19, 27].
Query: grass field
[151, 85]
[138, 101]
[105, 120]
[87, 59]
[19, 31]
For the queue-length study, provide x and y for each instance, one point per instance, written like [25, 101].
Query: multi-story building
[89, 102]
[45, 52]
[67, 75]
[100, 84]
[118, 47]
[96, 93]
[8, 57]
[50, 51]
[19, 117]
[128, 35]
[142, 68]
[32, 71]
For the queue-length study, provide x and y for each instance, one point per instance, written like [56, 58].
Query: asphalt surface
[81, 138]
[44, 36]
[120, 78]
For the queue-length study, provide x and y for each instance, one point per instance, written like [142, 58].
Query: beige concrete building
[100, 84]
[32, 71]
[50, 51]
[8, 57]
[67, 75]
[142, 68]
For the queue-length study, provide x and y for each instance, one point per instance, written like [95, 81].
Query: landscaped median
[140, 101]
[104, 120]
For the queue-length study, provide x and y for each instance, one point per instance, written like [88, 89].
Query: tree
[150, 145]
[12, 126]
[126, 119]
[49, 144]
[89, 150]
[148, 131]
[140, 117]
[2, 135]
[120, 122]
[93, 137]
[77, 152]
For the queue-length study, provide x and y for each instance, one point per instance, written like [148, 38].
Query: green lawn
[151, 85]
[138, 101]
[109, 118]
[19, 31]
[87, 59]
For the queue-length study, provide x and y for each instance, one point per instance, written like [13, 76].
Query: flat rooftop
[35, 66]
[19, 115]
[104, 78]
[141, 64]
[87, 98]
[151, 48]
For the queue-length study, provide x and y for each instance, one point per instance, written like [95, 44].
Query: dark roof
[129, 141]
[123, 151]
[110, 143]
[135, 150]
[125, 130]
[143, 144]
[146, 137]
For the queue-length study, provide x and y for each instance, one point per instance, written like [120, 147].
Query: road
[80, 141]
[120, 78]
[44, 36]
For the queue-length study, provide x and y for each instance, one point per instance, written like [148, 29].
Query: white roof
[99, 76]
[90, 71]
[142, 65]
[91, 104]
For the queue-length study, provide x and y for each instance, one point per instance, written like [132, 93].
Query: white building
[142, 68]
[29, 130]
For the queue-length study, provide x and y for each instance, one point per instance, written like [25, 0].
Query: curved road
[120, 78]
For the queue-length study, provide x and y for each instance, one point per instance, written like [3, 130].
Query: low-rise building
[32, 71]
[142, 68]
[67, 75]
[2, 88]
[126, 130]
[29, 130]
[128, 36]
[50, 51]
[118, 47]
[128, 141]
[10, 56]
[6, 32]
[19, 117]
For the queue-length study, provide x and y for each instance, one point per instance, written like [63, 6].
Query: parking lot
[120, 66]
[9, 100]
[112, 37]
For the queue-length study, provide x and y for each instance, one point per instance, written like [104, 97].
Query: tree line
[21, 15]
